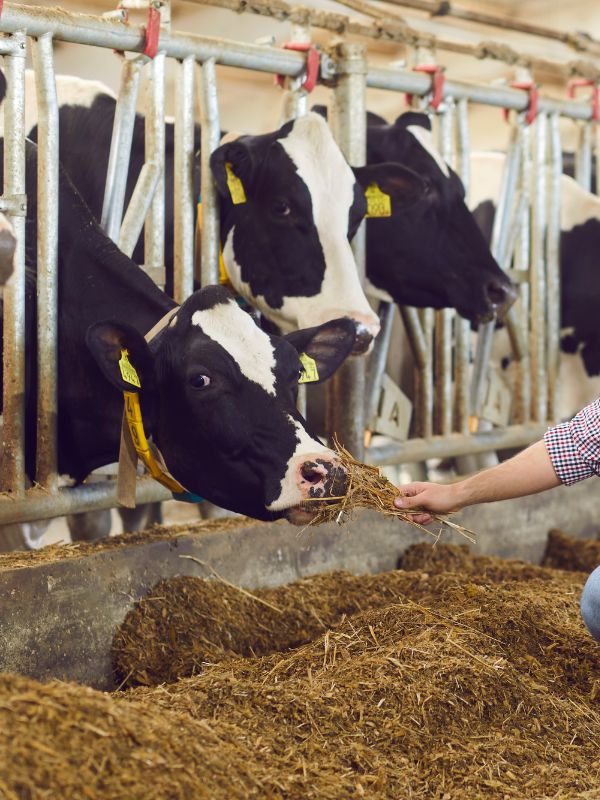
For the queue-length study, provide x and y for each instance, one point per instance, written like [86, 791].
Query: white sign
[394, 411]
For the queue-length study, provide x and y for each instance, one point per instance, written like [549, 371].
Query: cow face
[432, 252]
[218, 395]
[290, 205]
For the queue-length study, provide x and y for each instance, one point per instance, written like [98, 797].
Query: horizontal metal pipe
[454, 445]
[501, 96]
[115, 34]
[37, 504]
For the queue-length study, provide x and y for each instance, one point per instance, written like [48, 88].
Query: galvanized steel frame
[352, 77]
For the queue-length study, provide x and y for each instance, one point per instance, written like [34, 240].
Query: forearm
[529, 472]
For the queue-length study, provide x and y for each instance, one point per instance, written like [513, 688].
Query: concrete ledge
[58, 619]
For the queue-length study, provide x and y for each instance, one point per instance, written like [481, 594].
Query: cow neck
[134, 445]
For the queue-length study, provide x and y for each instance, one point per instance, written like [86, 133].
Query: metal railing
[441, 341]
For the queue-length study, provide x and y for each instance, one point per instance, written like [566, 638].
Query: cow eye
[199, 381]
[281, 208]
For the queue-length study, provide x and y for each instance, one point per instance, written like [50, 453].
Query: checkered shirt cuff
[574, 446]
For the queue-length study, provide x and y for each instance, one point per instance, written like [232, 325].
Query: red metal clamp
[313, 59]
[437, 83]
[534, 97]
[577, 83]
[152, 30]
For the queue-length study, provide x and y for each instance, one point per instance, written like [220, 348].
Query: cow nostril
[501, 294]
[362, 340]
[311, 472]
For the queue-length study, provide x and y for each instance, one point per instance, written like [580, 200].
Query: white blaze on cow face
[293, 489]
[239, 336]
[425, 139]
[321, 166]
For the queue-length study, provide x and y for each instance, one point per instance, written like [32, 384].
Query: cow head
[290, 205]
[430, 253]
[218, 396]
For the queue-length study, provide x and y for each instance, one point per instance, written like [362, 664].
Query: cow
[217, 393]
[286, 248]
[435, 242]
[579, 249]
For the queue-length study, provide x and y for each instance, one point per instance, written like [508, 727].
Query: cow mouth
[304, 513]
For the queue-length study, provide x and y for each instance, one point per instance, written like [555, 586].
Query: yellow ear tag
[128, 372]
[235, 186]
[379, 204]
[310, 373]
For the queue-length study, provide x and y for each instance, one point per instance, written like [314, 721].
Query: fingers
[412, 498]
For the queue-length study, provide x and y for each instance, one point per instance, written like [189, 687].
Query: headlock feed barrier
[455, 394]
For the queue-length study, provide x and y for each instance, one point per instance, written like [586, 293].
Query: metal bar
[47, 262]
[183, 280]
[115, 34]
[211, 134]
[578, 41]
[138, 207]
[462, 349]
[455, 444]
[154, 229]
[583, 156]
[377, 359]
[552, 332]
[501, 96]
[13, 457]
[539, 393]
[120, 149]
[295, 98]
[346, 390]
[36, 504]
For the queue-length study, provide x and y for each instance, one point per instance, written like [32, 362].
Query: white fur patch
[290, 494]
[425, 139]
[237, 333]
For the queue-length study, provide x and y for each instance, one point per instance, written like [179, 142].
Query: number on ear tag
[235, 186]
[310, 374]
[379, 204]
[128, 372]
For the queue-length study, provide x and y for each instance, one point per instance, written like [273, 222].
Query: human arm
[529, 472]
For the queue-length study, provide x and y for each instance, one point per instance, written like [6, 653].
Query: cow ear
[232, 167]
[413, 118]
[319, 109]
[123, 355]
[389, 187]
[327, 345]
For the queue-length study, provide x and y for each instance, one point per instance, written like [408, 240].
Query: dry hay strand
[368, 488]
[565, 552]
[416, 701]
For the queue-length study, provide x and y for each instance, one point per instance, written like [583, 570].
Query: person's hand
[431, 497]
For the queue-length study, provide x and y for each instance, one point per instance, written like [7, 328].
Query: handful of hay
[368, 488]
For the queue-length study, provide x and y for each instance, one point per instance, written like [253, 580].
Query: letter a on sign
[393, 415]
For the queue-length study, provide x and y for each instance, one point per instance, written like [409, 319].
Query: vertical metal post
[346, 390]
[377, 359]
[553, 267]
[583, 156]
[47, 261]
[295, 98]
[154, 229]
[183, 190]
[120, 148]
[14, 292]
[211, 134]
[539, 395]
[462, 327]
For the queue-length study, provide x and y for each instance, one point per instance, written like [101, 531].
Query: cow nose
[323, 477]
[365, 333]
[312, 473]
[500, 294]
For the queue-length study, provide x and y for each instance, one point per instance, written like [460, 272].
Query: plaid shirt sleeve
[574, 446]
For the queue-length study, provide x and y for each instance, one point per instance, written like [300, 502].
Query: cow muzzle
[500, 294]
[366, 331]
[317, 479]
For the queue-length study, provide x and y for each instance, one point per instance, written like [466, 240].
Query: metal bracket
[534, 96]
[578, 83]
[313, 58]
[437, 84]
[15, 204]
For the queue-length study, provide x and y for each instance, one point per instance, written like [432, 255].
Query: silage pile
[564, 552]
[452, 685]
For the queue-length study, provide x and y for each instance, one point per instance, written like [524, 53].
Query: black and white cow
[217, 393]
[286, 248]
[435, 242]
[579, 276]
